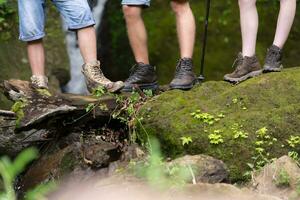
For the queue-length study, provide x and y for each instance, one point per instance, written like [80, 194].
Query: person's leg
[247, 64]
[143, 75]
[88, 44]
[79, 17]
[285, 21]
[31, 25]
[136, 33]
[273, 61]
[249, 26]
[186, 27]
[186, 31]
[36, 56]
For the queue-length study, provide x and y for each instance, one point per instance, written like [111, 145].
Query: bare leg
[88, 44]
[137, 33]
[186, 27]
[36, 56]
[249, 26]
[285, 21]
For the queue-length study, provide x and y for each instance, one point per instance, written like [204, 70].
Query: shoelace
[181, 69]
[39, 81]
[136, 70]
[97, 74]
[272, 56]
[237, 64]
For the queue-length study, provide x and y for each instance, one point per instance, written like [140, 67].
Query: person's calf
[88, 44]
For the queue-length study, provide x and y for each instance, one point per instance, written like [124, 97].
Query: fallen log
[37, 106]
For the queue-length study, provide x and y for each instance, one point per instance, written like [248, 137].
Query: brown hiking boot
[273, 62]
[39, 82]
[247, 67]
[184, 78]
[94, 78]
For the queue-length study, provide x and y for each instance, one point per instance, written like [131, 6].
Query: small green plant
[9, 171]
[262, 133]
[216, 138]
[186, 140]
[261, 156]
[283, 179]
[89, 107]
[238, 132]
[159, 173]
[99, 91]
[293, 141]
[204, 117]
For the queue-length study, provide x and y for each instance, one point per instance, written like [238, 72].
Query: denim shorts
[145, 3]
[32, 16]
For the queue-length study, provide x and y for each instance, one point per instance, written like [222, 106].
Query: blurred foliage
[9, 170]
[7, 12]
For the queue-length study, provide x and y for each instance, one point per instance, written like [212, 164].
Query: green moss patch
[237, 124]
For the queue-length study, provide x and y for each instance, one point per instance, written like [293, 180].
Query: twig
[7, 126]
[193, 175]
[7, 113]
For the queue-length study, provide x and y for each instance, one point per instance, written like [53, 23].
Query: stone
[205, 169]
[280, 178]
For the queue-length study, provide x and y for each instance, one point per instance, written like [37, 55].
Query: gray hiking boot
[94, 78]
[39, 82]
[142, 76]
[247, 67]
[273, 62]
[184, 78]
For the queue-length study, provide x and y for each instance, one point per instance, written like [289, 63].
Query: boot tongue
[186, 64]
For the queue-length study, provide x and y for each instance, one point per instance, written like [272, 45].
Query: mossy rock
[271, 101]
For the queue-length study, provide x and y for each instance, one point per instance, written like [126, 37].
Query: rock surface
[269, 101]
[280, 178]
[205, 169]
[128, 188]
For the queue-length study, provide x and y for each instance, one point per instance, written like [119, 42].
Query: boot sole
[183, 87]
[148, 86]
[268, 69]
[243, 78]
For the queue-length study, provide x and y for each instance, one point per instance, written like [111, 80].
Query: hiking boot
[94, 78]
[142, 76]
[273, 62]
[246, 67]
[39, 82]
[184, 78]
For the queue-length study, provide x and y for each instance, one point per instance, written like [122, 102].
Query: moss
[18, 108]
[68, 163]
[270, 101]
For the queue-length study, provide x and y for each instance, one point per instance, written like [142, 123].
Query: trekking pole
[201, 77]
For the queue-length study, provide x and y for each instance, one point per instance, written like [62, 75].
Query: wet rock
[280, 178]
[120, 187]
[205, 169]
